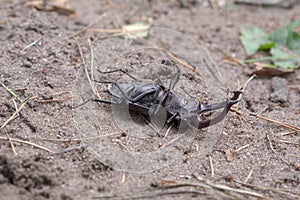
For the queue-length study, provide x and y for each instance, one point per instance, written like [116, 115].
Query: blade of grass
[11, 92]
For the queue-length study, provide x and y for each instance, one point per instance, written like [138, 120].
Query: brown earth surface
[40, 58]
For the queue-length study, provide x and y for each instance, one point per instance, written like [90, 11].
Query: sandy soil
[248, 153]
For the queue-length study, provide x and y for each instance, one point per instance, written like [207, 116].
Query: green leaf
[285, 58]
[253, 38]
[266, 46]
[286, 36]
[294, 42]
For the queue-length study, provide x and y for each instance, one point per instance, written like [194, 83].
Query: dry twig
[276, 122]
[249, 175]
[229, 189]
[28, 143]
[262, 188]
[270, 144]
[17, 111]
[211, 166]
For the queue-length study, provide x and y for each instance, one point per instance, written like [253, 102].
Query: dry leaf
[60, 6]
[263, 70]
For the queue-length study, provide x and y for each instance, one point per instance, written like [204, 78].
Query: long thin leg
[188, 93]
[118, 70]
[159, 80]
[110, 82]
[96, 100]
[104, 101]
[176, 79]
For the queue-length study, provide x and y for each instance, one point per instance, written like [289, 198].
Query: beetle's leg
[172, 117]
[164, 98]
[159, 79]
[96, 100]
[110, 82]
[174, 81]
[186, 92]
[118, 70]
[104, 101]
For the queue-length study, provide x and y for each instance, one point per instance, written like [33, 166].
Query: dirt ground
[250, 158]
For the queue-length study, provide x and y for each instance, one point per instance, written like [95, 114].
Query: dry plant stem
[60, 93]
[152, 195]
[285, 133]
[91, 69]
[124, 146]
[76, 139]
[15, 104]
[123, 177]
[33, 43]
[80, 51]
[228, 189]
[70, 149]
[17, 111]
[243, 147]
[296, 156]
[249, 175]
[242, 88]
[55, 100]
[262, 188]
[277, 122]
[60, 140]
[28, 143]
[288, 142]
[98, 30]
[168, 143]
[236, 110]
[168, 130]
[154, 128]
[12, 145]
[211, 166]
[270, 144]
[89, 25]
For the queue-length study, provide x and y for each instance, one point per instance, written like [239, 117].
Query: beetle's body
[143, 97]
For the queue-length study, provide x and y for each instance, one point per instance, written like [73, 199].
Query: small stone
[280, 90]
[230, 155]
[26, 64]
